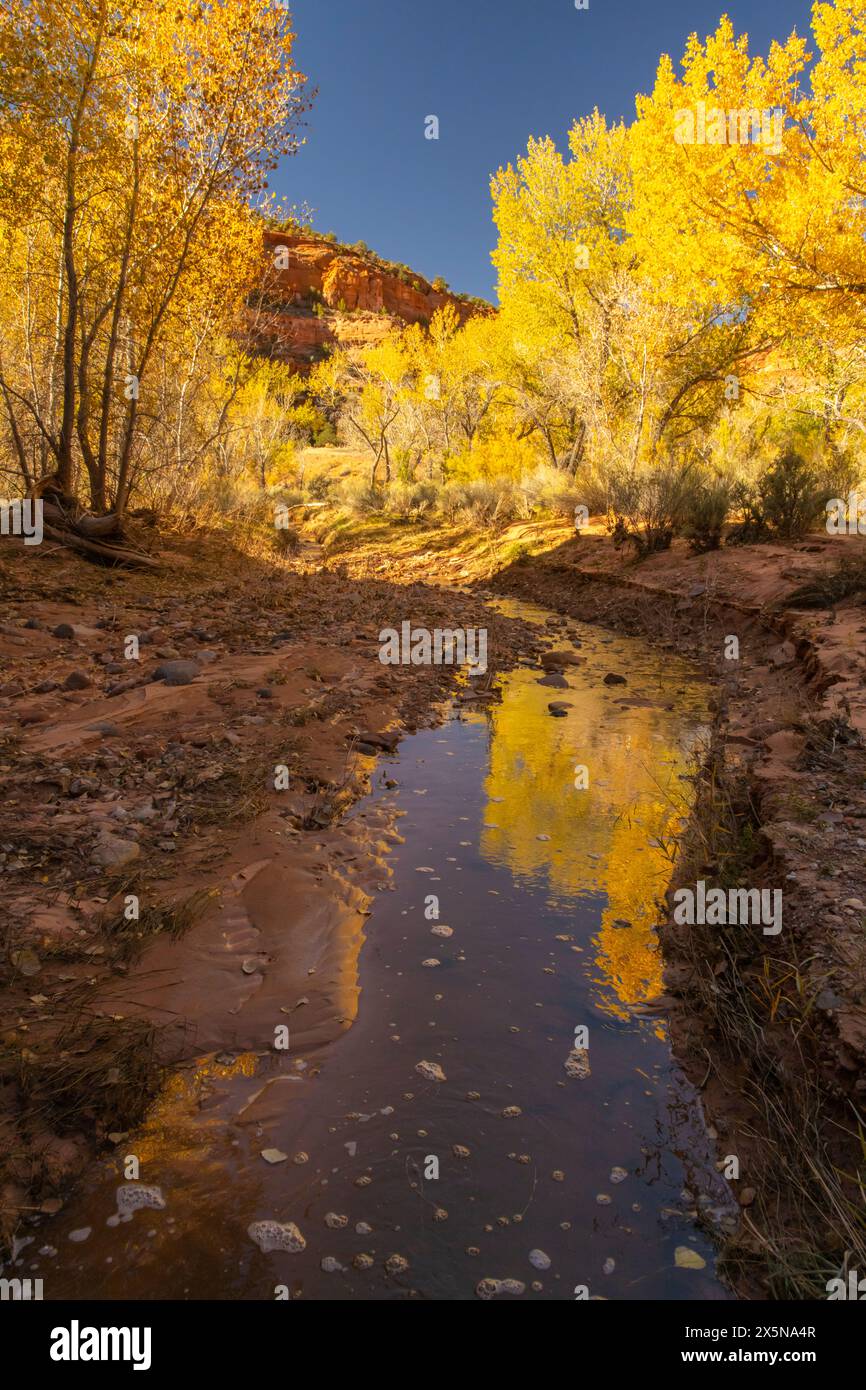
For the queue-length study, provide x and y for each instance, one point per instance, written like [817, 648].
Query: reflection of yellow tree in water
[605, 840]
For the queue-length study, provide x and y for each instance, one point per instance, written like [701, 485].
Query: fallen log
[92, 527]
[117, 555]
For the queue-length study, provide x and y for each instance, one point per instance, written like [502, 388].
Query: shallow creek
[559, 1178]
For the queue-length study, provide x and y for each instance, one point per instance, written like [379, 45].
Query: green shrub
[846, 580]
[793, 495]
[482, 502]
[326, 437]
[786, 501]
[550, 490]
[286, 540]
[363, 500]
[705, 511]
[287, 496]
[515, 553]
[753, 526]
[410, 500]
[646, 507]
[319, 487]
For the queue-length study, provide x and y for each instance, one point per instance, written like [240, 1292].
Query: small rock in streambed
[396, 1264]
[274, 1156]
[613, 679]
[539, 1260]
[177, 672]
[577, 1064]
[554, 660]
[110, 852]
[384, 742]
[77, 680]
[431, 1071]
[559, 708]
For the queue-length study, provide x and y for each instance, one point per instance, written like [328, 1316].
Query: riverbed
[503, 1118]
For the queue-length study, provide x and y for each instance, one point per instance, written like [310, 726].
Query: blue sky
[494, 72]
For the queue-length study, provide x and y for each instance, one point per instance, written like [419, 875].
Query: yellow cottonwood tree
[751, 173]
[133, 138]
[633, 371]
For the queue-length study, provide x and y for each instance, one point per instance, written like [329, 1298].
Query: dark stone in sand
[177, 672]
[31, 714]
[387, 742]
[559, 708]
[77, 680]
[556, 660]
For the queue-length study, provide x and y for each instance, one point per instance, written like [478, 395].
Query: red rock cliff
[316, 294]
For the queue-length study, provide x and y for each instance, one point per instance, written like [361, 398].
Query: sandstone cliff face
[316, 294]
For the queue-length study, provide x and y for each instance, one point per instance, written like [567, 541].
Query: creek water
[574, 1182]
